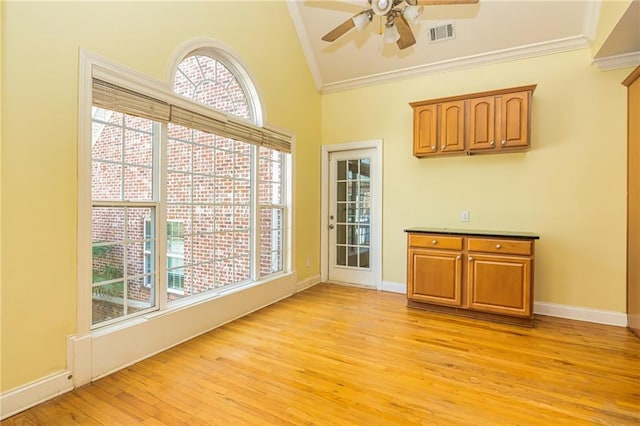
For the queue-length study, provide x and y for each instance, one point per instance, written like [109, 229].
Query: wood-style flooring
[336, 355]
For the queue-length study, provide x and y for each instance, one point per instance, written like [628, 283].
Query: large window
[175, 255]
[122, 188]
[184, 201]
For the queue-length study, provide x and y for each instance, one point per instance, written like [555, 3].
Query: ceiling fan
[397, 13]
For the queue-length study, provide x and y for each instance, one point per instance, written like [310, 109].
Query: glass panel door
[350, 196]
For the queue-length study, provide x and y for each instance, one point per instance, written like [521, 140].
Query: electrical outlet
[464, 215]
[307, 262]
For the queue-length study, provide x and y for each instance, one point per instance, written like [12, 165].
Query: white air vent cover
[442, 32]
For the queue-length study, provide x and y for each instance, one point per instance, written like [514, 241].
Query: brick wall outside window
[208, 187]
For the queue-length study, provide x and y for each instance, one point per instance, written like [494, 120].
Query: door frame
[376, 207]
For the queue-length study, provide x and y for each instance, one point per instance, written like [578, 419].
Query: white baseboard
[581, 314]
[79, 349]
[394, 287]
[307, 283]
[31, 394]
[551, 309]
[105, 351]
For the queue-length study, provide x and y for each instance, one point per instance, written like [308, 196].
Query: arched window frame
[230, 59]
[261, 211]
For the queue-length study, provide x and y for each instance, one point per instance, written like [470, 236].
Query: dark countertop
[484, 233]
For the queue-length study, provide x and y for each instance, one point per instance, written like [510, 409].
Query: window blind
[110, 96]
[116, 98]
[194, 120]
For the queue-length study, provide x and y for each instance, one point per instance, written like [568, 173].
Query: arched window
[210, 82]
[185, 201]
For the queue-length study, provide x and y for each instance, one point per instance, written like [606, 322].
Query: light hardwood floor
[342, 355]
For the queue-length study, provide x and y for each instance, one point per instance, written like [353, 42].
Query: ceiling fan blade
[406, 35]
[339, 30]
[444, 2]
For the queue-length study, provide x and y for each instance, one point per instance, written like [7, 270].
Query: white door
[352, 223]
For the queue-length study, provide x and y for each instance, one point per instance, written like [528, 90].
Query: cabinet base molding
[487, 316]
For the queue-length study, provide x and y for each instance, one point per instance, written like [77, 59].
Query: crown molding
[294, 11]
[522, 52]
[615, 62]
[591, 18]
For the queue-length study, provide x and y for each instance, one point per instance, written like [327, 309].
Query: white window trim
[92, 363]
[147, 278]
[230, 58]
[95, 354]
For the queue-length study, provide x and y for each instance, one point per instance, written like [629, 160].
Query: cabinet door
[513, 120]
[435, 277]
[482, 123]
[500, 284]
[452, 126]
[425, 130]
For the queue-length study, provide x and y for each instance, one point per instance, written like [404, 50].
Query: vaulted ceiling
[486, 32]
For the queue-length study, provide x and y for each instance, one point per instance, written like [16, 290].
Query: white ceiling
[490, 31]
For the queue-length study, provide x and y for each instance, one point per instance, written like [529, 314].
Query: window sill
[187, 303]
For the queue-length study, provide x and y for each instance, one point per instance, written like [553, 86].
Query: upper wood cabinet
[499, 122]
[425, 130]
[482, 123]
[439, 128]
[451, 122]
[495, 121]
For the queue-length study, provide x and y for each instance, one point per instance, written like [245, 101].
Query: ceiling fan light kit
[361, 20]
[391, 34]
[399, 14]
[412, 13]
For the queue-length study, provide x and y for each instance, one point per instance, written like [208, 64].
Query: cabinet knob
[433, 147]
[444, 146]
[470, 259]
[498, 246]
[492, 143]
[434, 242]
[504, 142]
[458, 257]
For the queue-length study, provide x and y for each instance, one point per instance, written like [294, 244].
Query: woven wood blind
[113, 97]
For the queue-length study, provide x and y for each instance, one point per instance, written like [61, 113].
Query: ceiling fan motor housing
[382, 7]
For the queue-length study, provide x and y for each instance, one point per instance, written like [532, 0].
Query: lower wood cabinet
[436, 277]
[499, 284]
[480, 275]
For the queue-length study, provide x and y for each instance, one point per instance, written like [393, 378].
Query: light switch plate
[464, 215]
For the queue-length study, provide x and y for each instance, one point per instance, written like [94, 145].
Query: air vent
[442, 32]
